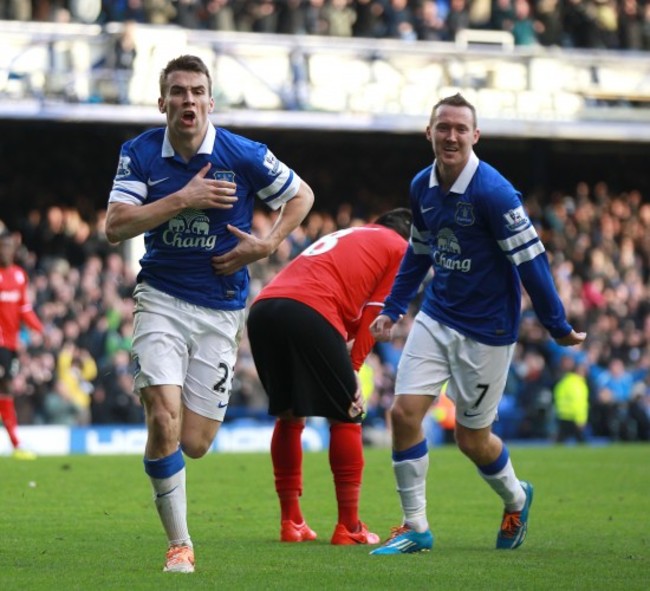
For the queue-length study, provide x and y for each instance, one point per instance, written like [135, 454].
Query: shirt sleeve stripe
[128, 192]
[378, 304]
[519, 239]
[286, 193]
[420, 236]
[120, 197]
[276, 185]
[527, 254]
[420, 248]
[419, 241]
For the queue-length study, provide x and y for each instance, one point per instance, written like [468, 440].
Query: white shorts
[477, 373]
[175, 342]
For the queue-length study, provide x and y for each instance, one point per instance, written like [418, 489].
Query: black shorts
[302, 360]
[8, 364]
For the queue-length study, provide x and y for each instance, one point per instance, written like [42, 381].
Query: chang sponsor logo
[447, 253]
[189, 229]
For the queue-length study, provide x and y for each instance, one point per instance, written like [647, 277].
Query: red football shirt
[345, 276]
[15, 307]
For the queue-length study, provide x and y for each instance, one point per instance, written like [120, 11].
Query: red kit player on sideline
[299, 328]
[15, 308]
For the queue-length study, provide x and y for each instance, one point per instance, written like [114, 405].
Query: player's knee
[163, 424]
[195, 449]
[471, 443]
[465, 445]
[404, 419]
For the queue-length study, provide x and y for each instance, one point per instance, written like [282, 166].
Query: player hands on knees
[308, 330]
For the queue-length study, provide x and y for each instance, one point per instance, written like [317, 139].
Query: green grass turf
[89, 524]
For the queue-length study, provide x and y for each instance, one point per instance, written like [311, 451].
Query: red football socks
[286, 454]
[9, 419]
[346, 462]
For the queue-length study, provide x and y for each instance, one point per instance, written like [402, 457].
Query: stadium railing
[52, 71]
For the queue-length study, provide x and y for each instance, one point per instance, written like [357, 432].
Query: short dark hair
[398, 219]
[455, 100]
[184, 63]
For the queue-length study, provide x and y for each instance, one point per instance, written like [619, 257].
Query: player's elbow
[112, 234]
[305, 198]
[114, 227]
[309, 199]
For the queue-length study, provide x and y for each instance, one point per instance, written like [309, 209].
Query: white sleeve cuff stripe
[137, 187]
[518, 239]
[419, 236]
[289, 193]
[527, 254]
[120, 197]
[276, 185]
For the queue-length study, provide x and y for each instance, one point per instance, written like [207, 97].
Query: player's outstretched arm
[381, 327]
[573, 338]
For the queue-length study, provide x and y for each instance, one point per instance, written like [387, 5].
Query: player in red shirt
[15, 309]
[308, 330]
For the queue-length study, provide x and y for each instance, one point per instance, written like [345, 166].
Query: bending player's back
[342, 272]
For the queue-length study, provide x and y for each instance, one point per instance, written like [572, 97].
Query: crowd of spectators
[591, 24]
[79, 373]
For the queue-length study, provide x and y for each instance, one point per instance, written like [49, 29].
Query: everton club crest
[464, 213]
[224, 175]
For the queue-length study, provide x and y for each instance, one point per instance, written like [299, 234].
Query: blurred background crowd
[78, 372]
[587, 24]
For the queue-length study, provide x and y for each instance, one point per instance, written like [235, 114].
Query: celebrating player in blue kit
[469, 224]
[190, 188]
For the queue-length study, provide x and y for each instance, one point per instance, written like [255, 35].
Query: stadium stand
[71, 70]
[600, 257]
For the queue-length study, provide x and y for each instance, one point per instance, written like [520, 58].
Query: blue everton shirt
[178, 252]
[481, 245]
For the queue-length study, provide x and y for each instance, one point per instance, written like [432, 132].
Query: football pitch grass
[88, 523]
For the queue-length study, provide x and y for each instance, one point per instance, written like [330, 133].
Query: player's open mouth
[188, 117]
